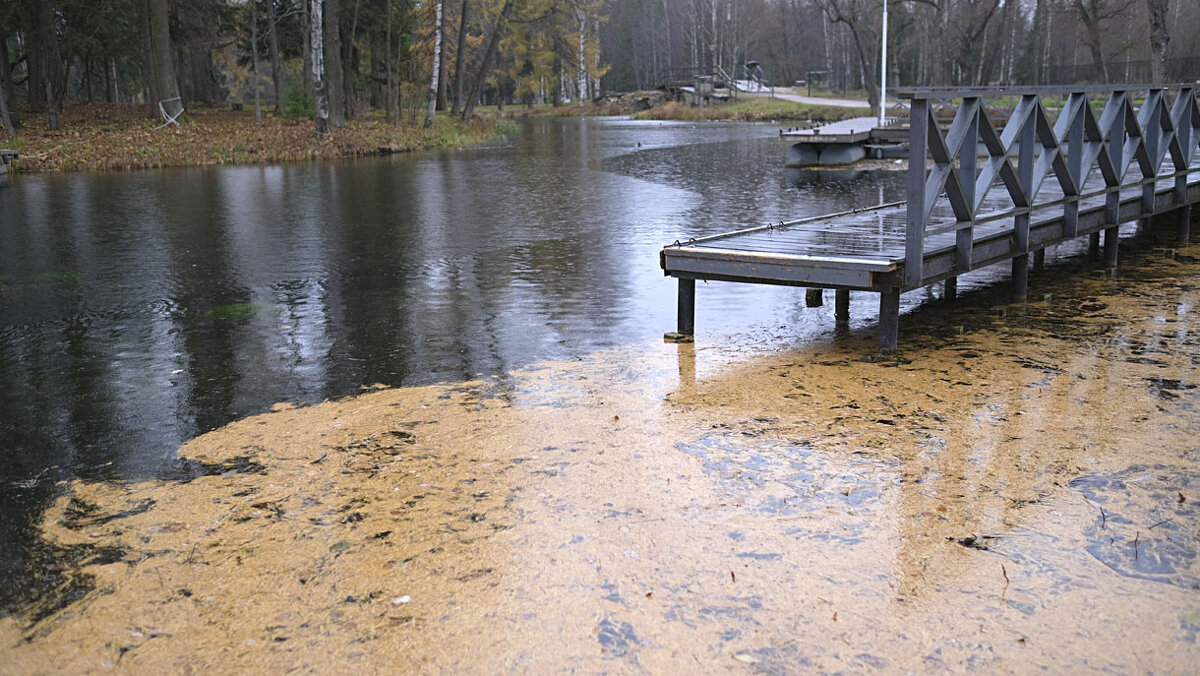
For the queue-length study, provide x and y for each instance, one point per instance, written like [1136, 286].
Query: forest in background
[836, 43]
[407, 60]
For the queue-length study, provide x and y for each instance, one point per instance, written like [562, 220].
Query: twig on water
[1004, 572]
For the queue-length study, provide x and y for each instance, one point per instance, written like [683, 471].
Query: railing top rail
[1020, 90]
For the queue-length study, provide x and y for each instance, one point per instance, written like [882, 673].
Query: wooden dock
[965, 212]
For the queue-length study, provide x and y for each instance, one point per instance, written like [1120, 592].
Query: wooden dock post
[889, 319]
[685, 313]
[1111, 238]
[1185, 223]
[1020, 277]
[950, 289]
[841, 305]
[814, 297]
[1039, 260]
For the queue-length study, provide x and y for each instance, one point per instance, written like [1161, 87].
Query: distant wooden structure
[6, 157]
[1133, 159]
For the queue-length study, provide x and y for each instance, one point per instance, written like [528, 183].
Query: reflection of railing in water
[955, 219]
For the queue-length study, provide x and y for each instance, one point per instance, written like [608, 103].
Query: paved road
[813, 100]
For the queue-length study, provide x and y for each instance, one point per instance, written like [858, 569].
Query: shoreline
[120, 137]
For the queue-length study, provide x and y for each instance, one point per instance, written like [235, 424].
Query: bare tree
[1160, 38]
[858, 16]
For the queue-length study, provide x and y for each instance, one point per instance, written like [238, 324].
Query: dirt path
[1019, 492]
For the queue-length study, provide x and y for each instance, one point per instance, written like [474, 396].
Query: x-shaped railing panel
[1077, 142]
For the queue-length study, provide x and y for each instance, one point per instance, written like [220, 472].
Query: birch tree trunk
[316, 18]
[583, 88]
[437, 64]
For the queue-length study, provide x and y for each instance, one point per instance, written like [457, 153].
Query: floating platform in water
[835, 144]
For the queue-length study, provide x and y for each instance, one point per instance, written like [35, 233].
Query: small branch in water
[1136, 536]
[1160, 523]
[1004, 572]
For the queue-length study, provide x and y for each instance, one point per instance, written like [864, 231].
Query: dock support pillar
[1110, 246]
[841, 305]
[1185, 223]
[1020, 277]
[1094, 245]
[950, 290]
[814, 297]
[685, 317]
[889, 319]
[1039, 260]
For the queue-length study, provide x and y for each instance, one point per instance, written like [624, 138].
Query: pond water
[138, 310]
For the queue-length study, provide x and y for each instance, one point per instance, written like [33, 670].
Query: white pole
[883, 68]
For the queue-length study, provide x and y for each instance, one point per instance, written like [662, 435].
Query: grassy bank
[751, 110]
[122, 136]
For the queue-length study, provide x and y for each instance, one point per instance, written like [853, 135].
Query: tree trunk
[316, 29]
[6, 84]
[489, 55]
[152, 96]
[46, 79]
[1159, 38]
[865, 63]
[348, 69]
[442, 104]
[254, 56]
[307, 76]
[583, 74]
[5, 119]
[1093, 35]
[333, 65]
[393, 110]
[460, 58]
[161, 53]
[437, 63]
[273, 46]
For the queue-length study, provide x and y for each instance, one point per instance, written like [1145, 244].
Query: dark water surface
[138, 310]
